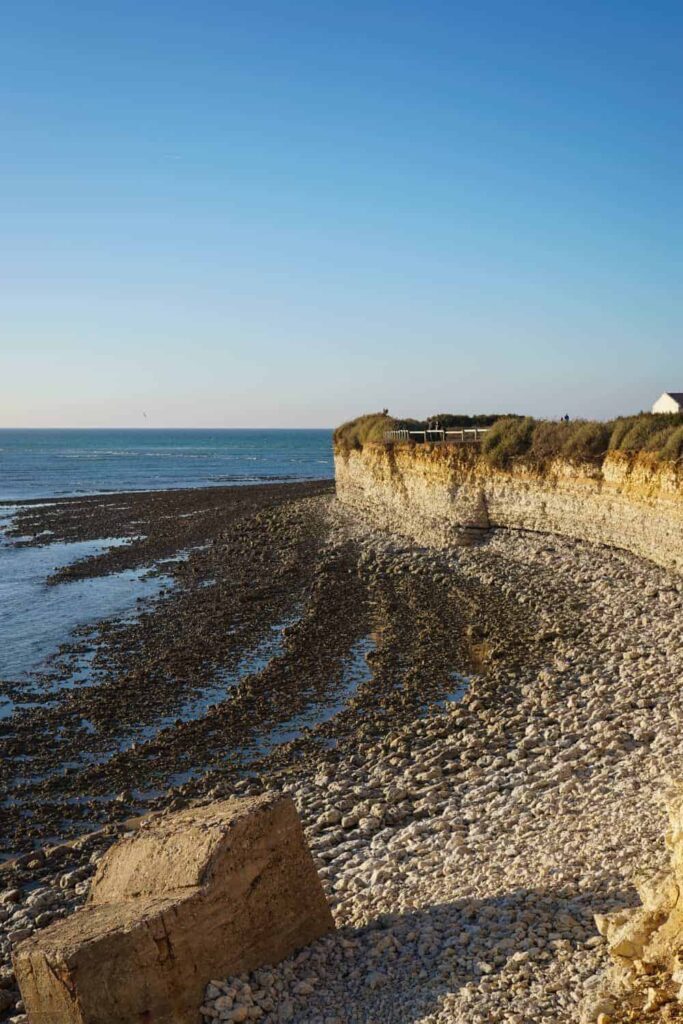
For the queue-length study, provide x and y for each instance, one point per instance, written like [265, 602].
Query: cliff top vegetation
[373, 426]
[513, 438]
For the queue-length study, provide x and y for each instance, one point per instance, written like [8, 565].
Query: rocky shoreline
[521, 816]
[488, 784]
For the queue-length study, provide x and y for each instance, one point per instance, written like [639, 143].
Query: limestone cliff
[442, 494]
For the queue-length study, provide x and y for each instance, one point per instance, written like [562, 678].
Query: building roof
[676, 395]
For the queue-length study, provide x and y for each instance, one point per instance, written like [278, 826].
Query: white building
[670, 401]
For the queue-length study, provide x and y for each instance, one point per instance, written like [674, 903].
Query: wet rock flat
[283, 635]
[100, 715]
[284, 640]
[488, 731]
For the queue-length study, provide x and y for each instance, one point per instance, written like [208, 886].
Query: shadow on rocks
[401, 967]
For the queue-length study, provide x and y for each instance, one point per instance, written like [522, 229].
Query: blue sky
[286, 213]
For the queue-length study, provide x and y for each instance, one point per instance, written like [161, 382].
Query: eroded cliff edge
[438, 494]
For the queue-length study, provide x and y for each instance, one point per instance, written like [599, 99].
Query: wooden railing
[468, 435]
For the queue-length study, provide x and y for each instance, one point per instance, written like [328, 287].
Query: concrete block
[205, 893]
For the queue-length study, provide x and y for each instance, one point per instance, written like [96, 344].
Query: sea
[57, 463]
[47, 464]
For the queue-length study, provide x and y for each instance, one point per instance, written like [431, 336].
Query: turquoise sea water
[51, 463]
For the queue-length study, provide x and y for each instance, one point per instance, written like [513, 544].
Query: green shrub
[578, 440]
[639, 433]
[673, 449]
[588, 441]
[509, 438]
[549, 438]
[620, 429]
[657, 441]
[645, 432]
[458, 421]
[363, 430]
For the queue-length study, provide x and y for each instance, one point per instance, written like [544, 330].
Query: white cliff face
[441, 496]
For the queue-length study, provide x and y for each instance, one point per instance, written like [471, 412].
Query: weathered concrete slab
[205, 893]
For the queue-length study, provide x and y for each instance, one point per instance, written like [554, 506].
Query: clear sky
[283, 213]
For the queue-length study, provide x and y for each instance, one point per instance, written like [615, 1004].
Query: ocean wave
[92, 456]
[255, 477]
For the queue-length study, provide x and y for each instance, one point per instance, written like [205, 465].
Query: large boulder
[205, 893]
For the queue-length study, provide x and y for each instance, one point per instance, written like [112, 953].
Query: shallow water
[355, 672]
[196, 706]
[36, 618]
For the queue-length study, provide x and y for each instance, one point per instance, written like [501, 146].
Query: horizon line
[150, 427]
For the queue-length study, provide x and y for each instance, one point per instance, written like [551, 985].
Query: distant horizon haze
[418, 414]
[151, 426]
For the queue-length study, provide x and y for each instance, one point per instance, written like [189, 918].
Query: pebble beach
[482, 793]
[466, 855]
